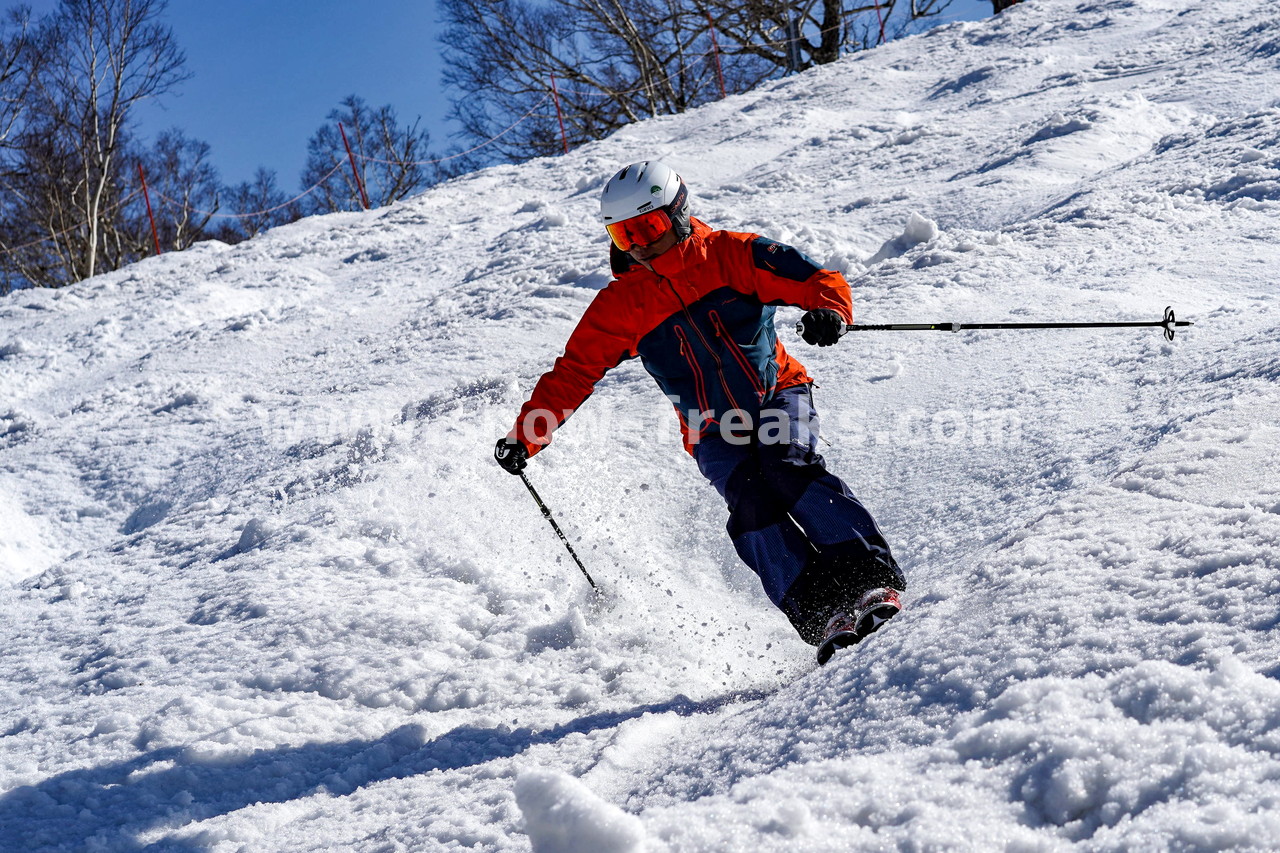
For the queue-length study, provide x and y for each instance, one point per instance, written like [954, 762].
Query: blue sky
[265, 74]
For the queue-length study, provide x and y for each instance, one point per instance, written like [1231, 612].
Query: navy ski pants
[814, 546]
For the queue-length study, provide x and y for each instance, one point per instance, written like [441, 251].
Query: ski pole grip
[800, 327]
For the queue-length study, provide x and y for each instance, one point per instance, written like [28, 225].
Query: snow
[264, 588]
[561, 815]
[22, 546]
[919, 229]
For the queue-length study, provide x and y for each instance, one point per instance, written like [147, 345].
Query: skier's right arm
[602, 339]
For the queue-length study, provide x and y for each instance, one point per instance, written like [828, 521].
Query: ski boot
[874, 608]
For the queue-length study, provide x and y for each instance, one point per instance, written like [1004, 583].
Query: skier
[697, 307]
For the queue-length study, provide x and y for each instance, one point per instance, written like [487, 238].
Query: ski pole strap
[546, 513]
[1169, 323]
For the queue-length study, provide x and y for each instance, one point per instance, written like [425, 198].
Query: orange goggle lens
[639, 230]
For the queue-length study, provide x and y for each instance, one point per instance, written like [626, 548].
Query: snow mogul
[697, 307]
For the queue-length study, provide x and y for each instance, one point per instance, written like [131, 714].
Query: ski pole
[1168, 324]
[546, 513]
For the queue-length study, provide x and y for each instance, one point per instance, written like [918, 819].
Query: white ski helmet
[644, 187]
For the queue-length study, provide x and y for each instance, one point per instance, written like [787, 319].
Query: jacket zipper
[686, 350]
[724, 383]
[723, 334]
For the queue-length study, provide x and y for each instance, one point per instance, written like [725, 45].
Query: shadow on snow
[109, 807]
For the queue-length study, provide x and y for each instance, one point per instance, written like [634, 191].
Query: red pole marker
[364, 198]
[155, 235]
[559, 117]
[715, 49]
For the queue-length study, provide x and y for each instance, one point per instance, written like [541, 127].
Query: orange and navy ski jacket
[701, 322]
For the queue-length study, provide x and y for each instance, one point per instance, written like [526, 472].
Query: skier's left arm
[778, 274]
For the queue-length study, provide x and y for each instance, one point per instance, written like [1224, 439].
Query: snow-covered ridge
[263, 588]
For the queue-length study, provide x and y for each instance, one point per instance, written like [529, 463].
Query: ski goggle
[639, 230]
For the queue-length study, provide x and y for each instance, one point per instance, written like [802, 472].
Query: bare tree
[795, 36]
[34, 212]
[185, 188]
[70, 204]
[104, 57]
[257, 205]
[392, 160]
[616, 61]
[603, 63]
[19, 63]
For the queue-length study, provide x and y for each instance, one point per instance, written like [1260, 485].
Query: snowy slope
[263, 588]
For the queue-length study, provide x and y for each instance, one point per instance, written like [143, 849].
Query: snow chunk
[179, 401]
[562, 816]
[17, 347]
[13, 423]
[1061, 125]
[919, 229]
[24, 548]
[552, 218]
[559, 634]
[254, 533]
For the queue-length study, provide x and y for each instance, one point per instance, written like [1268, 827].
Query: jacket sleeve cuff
[531, 447]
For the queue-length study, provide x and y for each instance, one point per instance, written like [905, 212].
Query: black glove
[511, 455]
[821, 326]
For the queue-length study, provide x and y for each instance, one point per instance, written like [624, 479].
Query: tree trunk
[828, 49]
